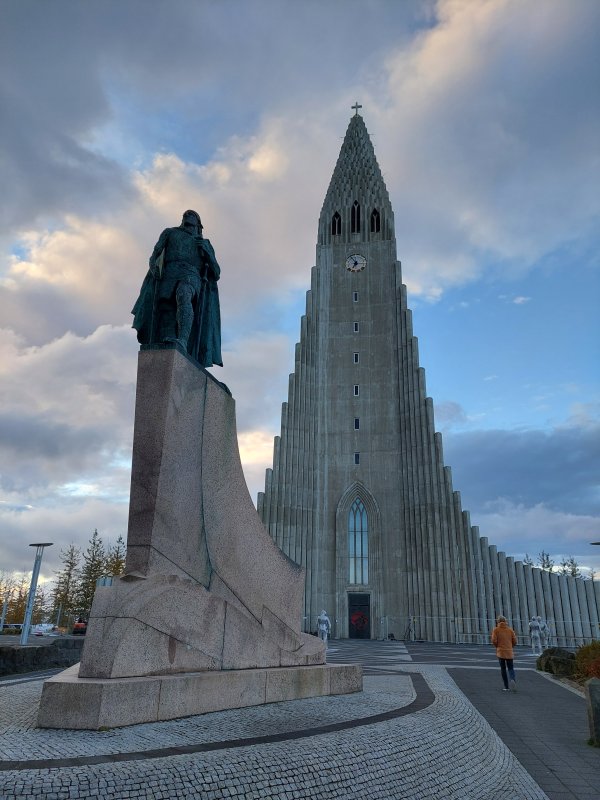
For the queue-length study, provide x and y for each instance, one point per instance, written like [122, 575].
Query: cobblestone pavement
[445, 750]
[544, 724]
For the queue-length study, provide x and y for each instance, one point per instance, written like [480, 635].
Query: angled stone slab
[166, 530]
[165, 624]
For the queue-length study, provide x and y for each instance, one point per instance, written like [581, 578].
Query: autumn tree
[67, 584]
[7, 587]
[94, 567]
[18, 601]
[545, 562]
[568, 566]
[41, 606]
[7, 584]
[115, 560]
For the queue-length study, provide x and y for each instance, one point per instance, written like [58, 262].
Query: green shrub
[594, 669]
[587, 660]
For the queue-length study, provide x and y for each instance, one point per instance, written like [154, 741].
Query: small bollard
[592, 696]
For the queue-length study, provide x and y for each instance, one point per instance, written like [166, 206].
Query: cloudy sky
[484, 114]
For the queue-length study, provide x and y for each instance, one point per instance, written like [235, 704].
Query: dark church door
[359, 616]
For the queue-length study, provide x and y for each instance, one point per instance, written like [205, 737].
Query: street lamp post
[5, 603]
[32, 589]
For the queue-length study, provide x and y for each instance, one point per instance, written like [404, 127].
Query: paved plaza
[431, 723]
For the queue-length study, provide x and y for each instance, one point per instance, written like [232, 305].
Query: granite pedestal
[207, 615]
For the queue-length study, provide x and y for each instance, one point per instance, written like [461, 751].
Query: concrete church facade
[359, 494]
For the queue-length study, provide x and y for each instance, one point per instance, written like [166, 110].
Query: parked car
[80, 627]
[43, 629]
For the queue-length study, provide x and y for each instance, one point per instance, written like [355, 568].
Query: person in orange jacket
[504, 639]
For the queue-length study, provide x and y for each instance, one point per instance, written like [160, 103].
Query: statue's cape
[143, 309]
[206, 333]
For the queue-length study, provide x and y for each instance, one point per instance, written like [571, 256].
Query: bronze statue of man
[179, 298]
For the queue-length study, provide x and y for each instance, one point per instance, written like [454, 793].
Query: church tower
[359, 494]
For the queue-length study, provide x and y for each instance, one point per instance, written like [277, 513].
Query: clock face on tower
[356, 263]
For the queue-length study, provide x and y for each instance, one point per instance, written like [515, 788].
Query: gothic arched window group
[358, 543]
[336, 221]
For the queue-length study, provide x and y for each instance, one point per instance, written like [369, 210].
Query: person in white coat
[535, 631]
[544, 632]
[323, 626]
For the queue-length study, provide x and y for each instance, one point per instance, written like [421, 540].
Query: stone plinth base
[91, 703]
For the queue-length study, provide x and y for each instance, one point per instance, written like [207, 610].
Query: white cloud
[458, 133]
[89, 273]
[256, 451]
[67, 411]
[75, 278]
[449, 414]
[256, 371]
[493, 116]
[518, 529]
[61, 524]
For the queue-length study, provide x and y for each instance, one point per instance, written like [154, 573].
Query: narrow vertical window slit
[355, 218]
[336, 224]
[375, 221]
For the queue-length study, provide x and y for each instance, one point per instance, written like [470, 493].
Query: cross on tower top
[356, 106]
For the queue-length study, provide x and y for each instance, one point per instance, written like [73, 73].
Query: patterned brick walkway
[401, 738]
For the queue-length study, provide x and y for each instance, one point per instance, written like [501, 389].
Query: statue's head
[191, 219]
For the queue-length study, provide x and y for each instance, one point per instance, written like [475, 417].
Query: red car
[80, 627]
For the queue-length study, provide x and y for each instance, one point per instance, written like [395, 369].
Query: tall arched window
[336, 224]
[355, 218]
[375, 221]
[358, 544]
